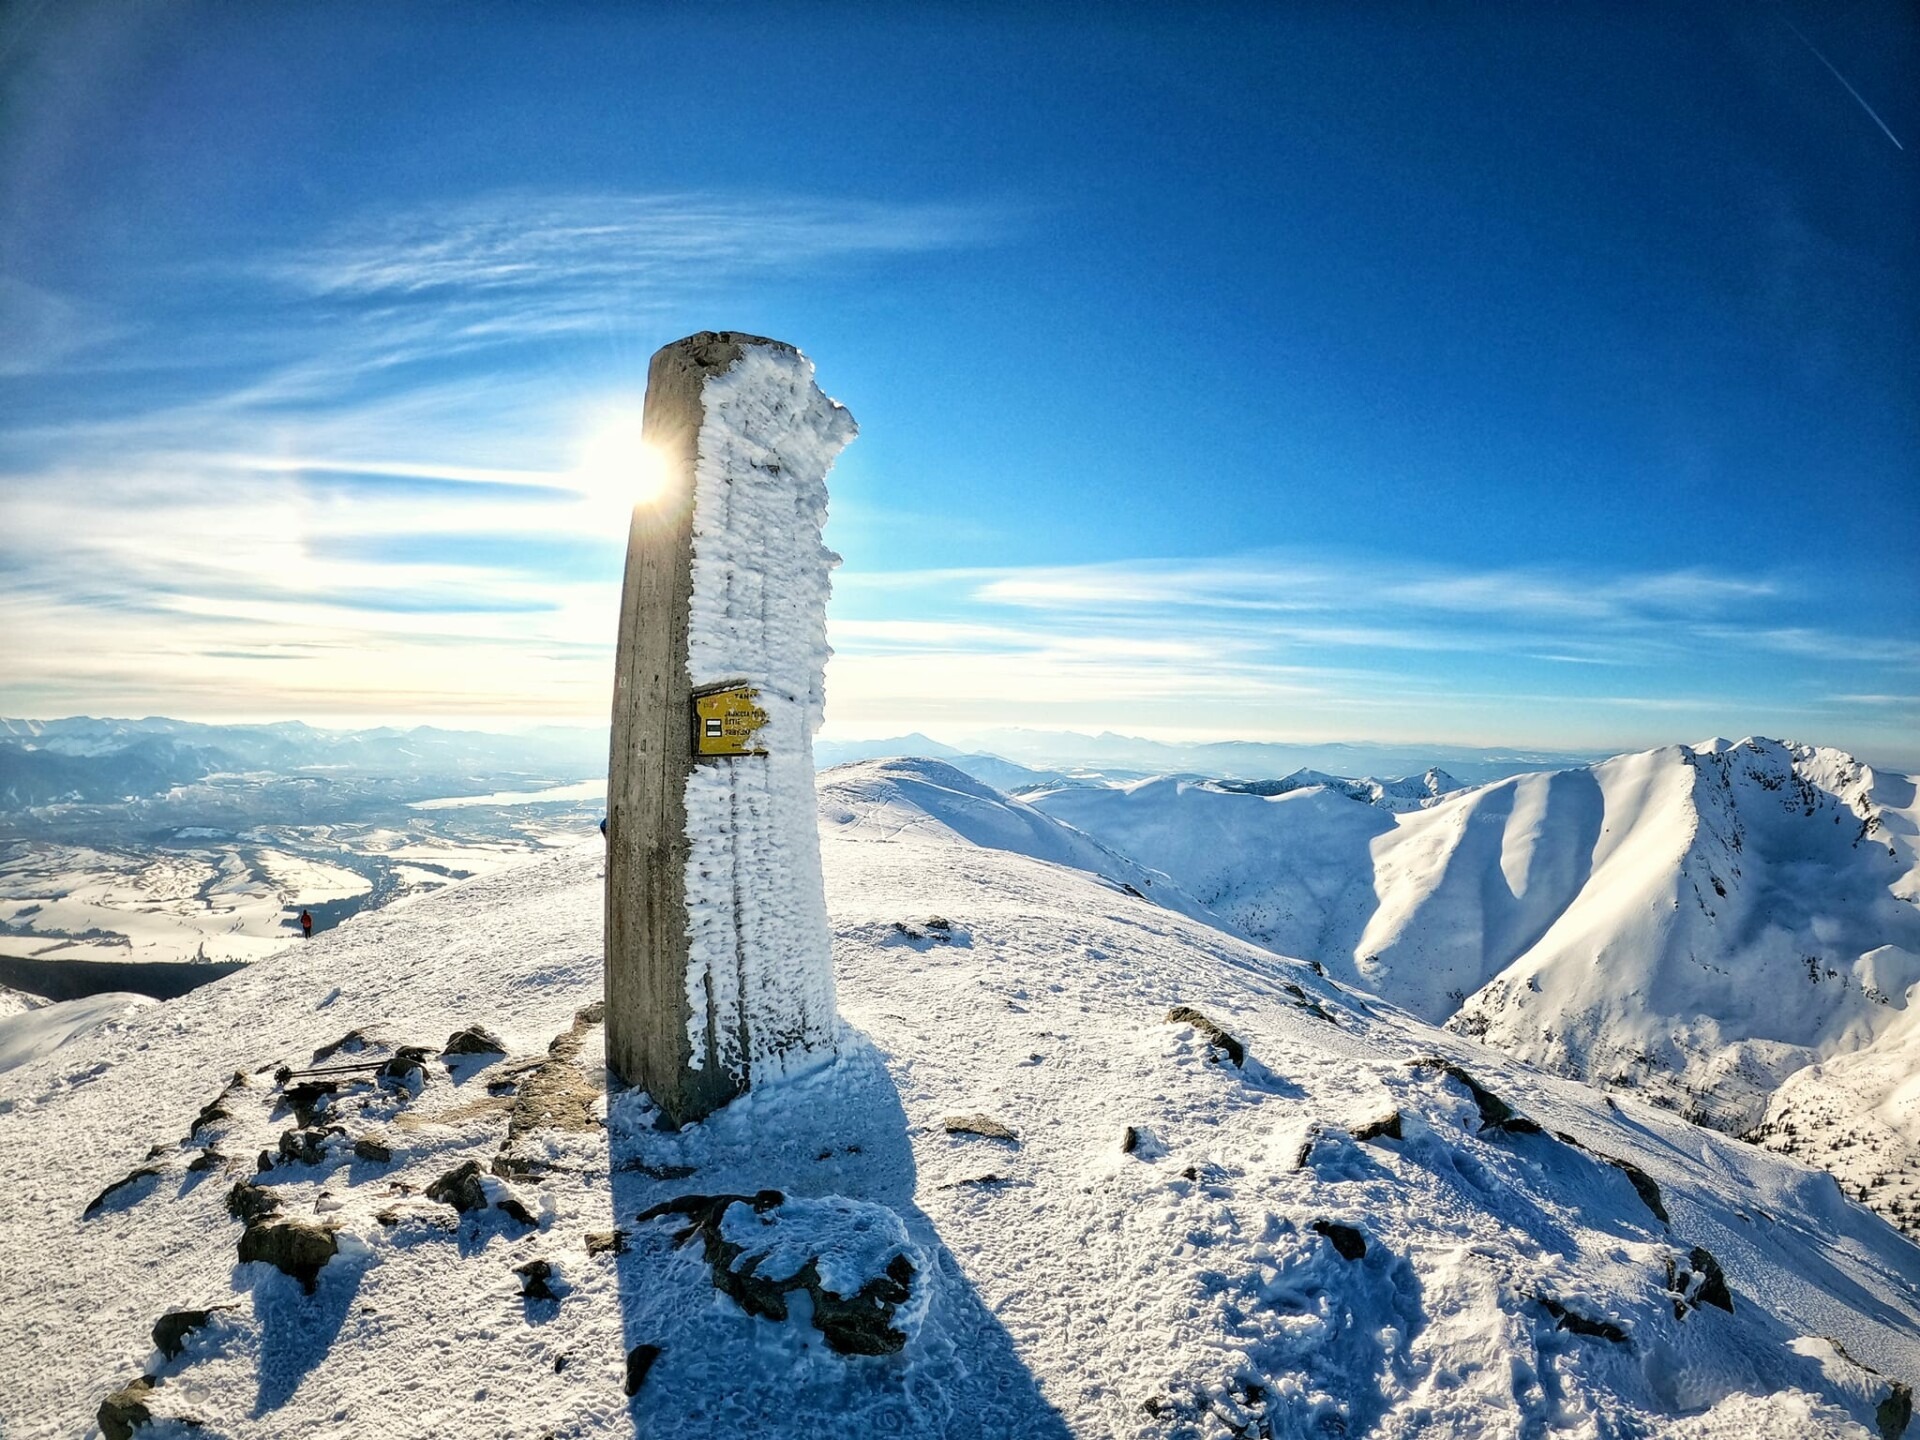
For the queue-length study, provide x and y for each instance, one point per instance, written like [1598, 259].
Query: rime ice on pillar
[719, 969]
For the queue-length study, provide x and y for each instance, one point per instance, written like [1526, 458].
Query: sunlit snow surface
[1178, 1290]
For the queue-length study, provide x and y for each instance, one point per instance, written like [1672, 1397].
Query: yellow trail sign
[726, 720]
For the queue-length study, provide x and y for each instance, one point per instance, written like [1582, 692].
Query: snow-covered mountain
[1699, 922]
[1084, 1165]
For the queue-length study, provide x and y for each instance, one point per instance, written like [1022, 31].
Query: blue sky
[1482, 373]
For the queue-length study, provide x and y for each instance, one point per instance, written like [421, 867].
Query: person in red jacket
[306, 925]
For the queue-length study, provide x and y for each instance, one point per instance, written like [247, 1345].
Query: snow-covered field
[1109, 1222]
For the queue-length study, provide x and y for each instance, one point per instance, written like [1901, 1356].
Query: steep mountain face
[1699, 922]
[1083, 1166]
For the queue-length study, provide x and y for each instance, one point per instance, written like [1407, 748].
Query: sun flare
[615, 464]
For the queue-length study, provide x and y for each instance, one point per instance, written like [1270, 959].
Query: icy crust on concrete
[760, 965]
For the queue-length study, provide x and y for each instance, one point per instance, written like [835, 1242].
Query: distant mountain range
[1063, 753]
[88, 761]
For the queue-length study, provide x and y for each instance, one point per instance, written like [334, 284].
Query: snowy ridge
[760, 970]
[1149, 1181]
[1699, 921]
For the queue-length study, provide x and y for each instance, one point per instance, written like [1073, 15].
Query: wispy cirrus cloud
[348, 476]
[1310, 644]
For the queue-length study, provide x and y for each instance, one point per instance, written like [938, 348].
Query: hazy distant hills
[83, 760]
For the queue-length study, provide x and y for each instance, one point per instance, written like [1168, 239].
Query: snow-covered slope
[1079, 1209]
[1698, 921]
[28, 1034]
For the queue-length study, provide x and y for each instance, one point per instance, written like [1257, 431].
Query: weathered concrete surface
[652, 754]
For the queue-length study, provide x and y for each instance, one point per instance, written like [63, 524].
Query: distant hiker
[306, 925]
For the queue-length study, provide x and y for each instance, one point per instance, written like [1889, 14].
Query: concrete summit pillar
[719, 969]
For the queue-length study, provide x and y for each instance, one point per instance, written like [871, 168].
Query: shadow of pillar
[838, 1131]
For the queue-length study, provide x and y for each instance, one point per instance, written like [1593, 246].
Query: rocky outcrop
[1217, 1038]
[294, 1247]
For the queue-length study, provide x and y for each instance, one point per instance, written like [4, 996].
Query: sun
[616, 465]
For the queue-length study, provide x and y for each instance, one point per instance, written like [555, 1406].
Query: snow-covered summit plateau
[1084, 1164]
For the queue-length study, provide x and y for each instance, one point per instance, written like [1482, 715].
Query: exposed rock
[1303, 1001]
[407, 1068]
[1217, 1038]
[1700, 1281]
[983, 1125]
[207, 1159]
[536, 1280]
[1386, 1128]
[465, 1188]
[294, 1247]
[474, 1040]
[934, 928]
[351, 1043]
[1349, 1242]
[662, 1172]
[308, 1146]
[1643, 1185]
[170, 1331]
[1894, 1413]
[211, 1113]
[124, 1183]
[606, 1242]
[1129, 1140]
[860, 1324]
[248, 1203]
[309, 1099]
[374, 1149]
[1495, 1113]
[639, 1361]
[263, 1162]
[1582, 1325]
[124, 1411]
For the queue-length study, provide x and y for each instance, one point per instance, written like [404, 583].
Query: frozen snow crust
[760, 964]
[1161, 1243]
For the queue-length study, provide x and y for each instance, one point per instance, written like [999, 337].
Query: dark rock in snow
[639, 1361]
[1349, 1242]
[606, 1242]
[1894, 1413]
[1582, 1325]
[351, 1043]
[309, 1099]
[983, 1125]
[372, 1148]
[463, 1188]
[1495, 1113]
[124, 1411]
[212, 1113]
[1700, 1282]
[308, 1146]
[1386, 1128]
[294, 1247]
[1643, 1185]
[1216, 1037]
[207, 1159]
[474, 1040]
[536, 1277]
[407, 1068]
[1129, 1140]
[121, 1189]
[860, 1324]
[170, 1331]
[248, 1203]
